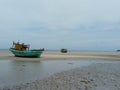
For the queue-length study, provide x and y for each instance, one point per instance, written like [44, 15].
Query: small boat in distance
[22, 50]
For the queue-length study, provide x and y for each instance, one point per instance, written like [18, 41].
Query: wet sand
[54, 55]
[99, 76]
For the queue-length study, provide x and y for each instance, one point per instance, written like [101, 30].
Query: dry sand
[53, 55]
[100, 76]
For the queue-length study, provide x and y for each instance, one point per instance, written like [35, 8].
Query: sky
[55, 24]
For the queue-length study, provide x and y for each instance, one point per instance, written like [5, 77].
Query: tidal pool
[15, 71]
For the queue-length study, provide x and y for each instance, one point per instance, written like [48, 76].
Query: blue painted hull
[30, 53]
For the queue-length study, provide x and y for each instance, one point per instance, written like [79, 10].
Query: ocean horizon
[72, 50]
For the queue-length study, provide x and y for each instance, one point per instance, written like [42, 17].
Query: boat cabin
[21, 47]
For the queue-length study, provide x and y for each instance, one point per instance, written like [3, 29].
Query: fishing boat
[22, 50]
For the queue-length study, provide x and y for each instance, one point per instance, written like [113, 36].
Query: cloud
[61, 14]
[64, 23]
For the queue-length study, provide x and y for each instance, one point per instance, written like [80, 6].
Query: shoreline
[55, 55]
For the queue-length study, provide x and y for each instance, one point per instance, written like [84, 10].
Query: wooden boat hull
[30, 53]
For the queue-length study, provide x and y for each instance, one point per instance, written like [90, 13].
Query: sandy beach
[54, 55]
[97, 76]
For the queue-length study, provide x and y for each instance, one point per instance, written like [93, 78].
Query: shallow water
[16, 72]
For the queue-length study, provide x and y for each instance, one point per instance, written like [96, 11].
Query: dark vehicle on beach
[63, 50]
